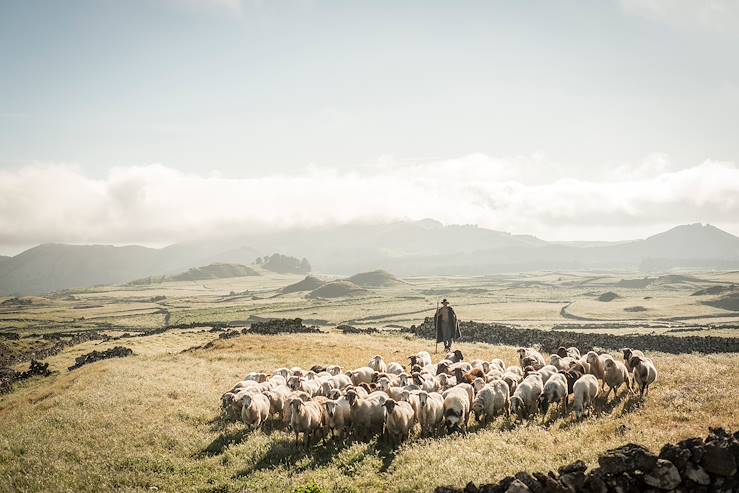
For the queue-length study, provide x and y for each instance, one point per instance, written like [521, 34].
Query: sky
[158, 121]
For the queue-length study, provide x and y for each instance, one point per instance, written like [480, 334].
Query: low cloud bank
[155, 204]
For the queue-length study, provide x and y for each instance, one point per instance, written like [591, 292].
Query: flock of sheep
[383, 399]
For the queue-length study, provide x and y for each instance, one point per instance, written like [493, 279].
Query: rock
[517, 487]
[664, 476]
[577, 466]
[719, 459]
[530, 482]
[629, 457]
[115, 352]
[679, 456]
[697, 474]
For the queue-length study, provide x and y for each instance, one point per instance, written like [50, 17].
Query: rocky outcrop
[694, 464]
[550, 340]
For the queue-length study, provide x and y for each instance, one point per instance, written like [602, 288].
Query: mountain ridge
[405, 248]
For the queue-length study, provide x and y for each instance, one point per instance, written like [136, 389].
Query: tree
[305, 265]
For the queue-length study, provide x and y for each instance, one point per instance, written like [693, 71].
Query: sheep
[277, 399]
[615, 375]
[411, 397]
[479, 383]
[362, 375]
[334, 370]
[367, 413]
[255, 410]
[429, 384]
[456, 409]
[470, 376]
[256, 377]
[444, 381]
[596, 363]
[338, 415]
[546, 372]
[431, 413]
[443, 367]
[628, 354]
[571, 352]
[585, 390]
[530, 357]
[229, 406]
[555, 390]
[287, 409]
[395, 368]
[499, 363]
[422, 358]
[399, 419]
[283, 372]
[525, 399]
[645, 373]
[561, 363]
[512, 378]
[306, 417]
[377, 363]
[571, 375]
[455, 356]
[493, 399]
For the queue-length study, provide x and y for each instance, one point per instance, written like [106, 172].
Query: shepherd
[447, 325]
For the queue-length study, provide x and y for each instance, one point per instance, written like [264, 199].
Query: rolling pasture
[152, 421]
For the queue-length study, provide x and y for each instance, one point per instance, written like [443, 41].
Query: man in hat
[447, 326]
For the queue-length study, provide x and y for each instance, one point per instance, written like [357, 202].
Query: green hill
[212, 271]
[375, 279]
[338, 289]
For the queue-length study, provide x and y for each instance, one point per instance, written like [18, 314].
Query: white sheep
[615, 375]
[306, 417]
[561, 363]
[555, 390]
[362, 375]
[367, 413]
[630, 353]
[255, 410]
[431, 413]
[395, 368]
[499, 363]
[546, 372]
[585, 390]
[422, 358]
[492, 399]
[377, 363]
[525, 399]
[530, 357]
[455, 356]
[645, 373]
[399, 419]
[338, 415]
[456, 409]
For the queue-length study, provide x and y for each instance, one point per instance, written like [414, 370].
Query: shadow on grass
[222, 442]
[286, 452]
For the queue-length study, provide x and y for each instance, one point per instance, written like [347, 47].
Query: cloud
[713, 15]
[155, 204]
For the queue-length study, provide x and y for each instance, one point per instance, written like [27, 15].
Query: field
[151, 422]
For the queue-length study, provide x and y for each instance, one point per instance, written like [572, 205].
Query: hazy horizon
[158, 121]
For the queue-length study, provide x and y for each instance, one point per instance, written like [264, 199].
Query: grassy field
[151, 421]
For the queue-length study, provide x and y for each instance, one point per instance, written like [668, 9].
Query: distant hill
[308, 284]
[337, 289]
[406, 248]
[375, 279]
[212, 271]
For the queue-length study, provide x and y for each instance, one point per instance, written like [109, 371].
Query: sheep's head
[635, 361]
[577, 366]
[485, 366]
[528, 370]
[610, 364]
[452, 418]
[384, 383]
[442, 367]
[458, 355]
[627, 353]
[293, 382]
[544, 403]
[521, 352]
[478, 384]
[416, 368]
[296, 404]
[423, 397]
[518, 407]
[562, 351]
[334, 394]
[331, 407]
[390, 405]
[413, 359]
[403, 378]
[592, 358]
[351, 396]
[478, 409]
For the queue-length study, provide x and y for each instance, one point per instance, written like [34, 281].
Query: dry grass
[152, 421]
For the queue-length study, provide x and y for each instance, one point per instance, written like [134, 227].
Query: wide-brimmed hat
[444, 301]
